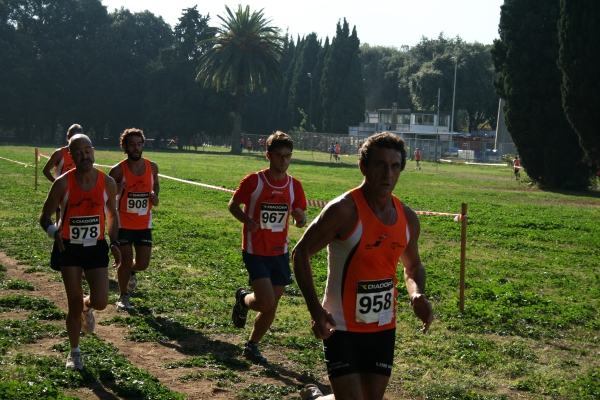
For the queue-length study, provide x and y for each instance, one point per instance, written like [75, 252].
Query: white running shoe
[88, 321]
[75, 361]
[123, 302]
[132, 285]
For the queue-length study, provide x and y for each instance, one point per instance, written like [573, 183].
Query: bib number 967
[273, 216]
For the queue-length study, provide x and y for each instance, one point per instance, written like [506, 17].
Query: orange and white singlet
[65, 164]
[135, 207]
[83, 213]
[517, 164]
[361, 278]
[271, 203]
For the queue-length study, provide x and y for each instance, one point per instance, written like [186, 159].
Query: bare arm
[414, 272]
[50, 205]
[52, 161]
[238, 213]
[336, 220]
[112, 218]
[156, 188]
[116, 173]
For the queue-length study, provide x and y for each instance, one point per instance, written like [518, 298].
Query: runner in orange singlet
[87, 197]
[517, 167]
[418, 158]
[137, 183]
[366, 231]
[61, 161]
[269, 197]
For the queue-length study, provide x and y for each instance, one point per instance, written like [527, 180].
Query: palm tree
[245, 53]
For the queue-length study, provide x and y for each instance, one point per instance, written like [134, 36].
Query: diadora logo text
[276, 192]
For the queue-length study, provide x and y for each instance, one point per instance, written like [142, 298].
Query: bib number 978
[84, 230]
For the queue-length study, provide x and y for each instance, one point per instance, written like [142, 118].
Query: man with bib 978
[367, 230]
[87, 200]
[269, 197]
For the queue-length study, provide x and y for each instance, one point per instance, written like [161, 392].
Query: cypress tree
[300, 89]
[283, 119]
[338, 62]
[529, 80]
[317, 96]
[579, 61]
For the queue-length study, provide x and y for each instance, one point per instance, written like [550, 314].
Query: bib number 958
[375, 301]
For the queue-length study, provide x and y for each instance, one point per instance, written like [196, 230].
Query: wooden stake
[36, 168]
[463, 251]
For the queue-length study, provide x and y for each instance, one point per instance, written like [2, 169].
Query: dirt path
[147, 356]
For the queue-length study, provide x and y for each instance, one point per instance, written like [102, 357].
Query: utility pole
[310, 129]
[453, 97]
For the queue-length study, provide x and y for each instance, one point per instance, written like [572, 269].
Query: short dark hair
[131, 132]
[279, 139]
[383, 140]
[73, 130]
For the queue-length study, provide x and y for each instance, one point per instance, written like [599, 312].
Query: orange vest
[65, 164]
[361, 278]
[135, 207]
[517, 165]
[82, 213]
[418, 155]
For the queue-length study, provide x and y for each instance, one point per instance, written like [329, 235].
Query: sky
[383, 23]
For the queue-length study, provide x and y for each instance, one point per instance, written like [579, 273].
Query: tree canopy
[529, 80]
[245, 54]
[579, 61]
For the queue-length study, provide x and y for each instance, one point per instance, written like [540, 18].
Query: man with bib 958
[366, 231]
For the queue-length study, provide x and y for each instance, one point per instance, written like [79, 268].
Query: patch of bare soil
[150, 356]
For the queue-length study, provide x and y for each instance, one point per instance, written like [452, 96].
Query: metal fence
[458, 149]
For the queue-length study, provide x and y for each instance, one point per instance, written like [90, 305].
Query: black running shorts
[137, 237]
[76, 255]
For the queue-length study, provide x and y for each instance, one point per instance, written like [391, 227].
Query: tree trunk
[240, 97]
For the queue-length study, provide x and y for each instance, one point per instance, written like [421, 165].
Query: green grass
[530, 326]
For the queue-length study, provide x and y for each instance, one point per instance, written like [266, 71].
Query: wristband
[115, 243]
[51, 231]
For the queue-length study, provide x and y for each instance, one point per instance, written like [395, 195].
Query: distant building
[405, 123]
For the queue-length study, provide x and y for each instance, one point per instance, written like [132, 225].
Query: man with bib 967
[87, 198]
[366, 231]
[137, 193]
[269, 197]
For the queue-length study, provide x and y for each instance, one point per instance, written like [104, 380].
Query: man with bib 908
[367, 230]
[269, 197]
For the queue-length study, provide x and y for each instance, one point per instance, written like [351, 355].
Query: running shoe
[252, 353]
[132, 285]
[123, 302]
[240, 311]
[310, 392]
[88, 321]
[75, 361]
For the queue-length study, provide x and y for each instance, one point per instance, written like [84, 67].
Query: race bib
[273, 216]
[137, 202]
[375, 301]
[84, 230]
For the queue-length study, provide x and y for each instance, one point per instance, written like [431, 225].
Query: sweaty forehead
[80, 144]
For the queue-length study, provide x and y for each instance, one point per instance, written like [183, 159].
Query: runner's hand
[58, 239]
[252, 225]
[321, 325]
[423, 309]
[116, 252]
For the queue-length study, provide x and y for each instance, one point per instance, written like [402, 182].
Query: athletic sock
[75, 350]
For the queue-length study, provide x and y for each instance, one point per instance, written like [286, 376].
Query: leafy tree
[529, 80]
[579, 61]
[178, 105]
[245, 55]
[340, 112]
[382, 87]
